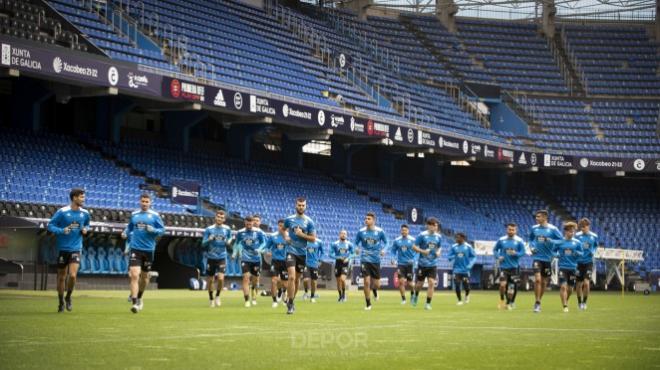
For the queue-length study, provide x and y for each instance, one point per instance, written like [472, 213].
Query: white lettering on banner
[19, 57]
[397, 134]
[639, 164]
[522, 159]
[551, 160]
[411, 135]
[113, 75]
[321, 117]
[451, 144]
[601, 163]
[532, 159]
[192, 91]
[355, 126]
[288, 111]
[60, 65]
[379, 129]
[135, 81]
[465, 146]
[488, 153]
[219, 100]
[6, 55]
[424, 138]
[238, 101]
[335, 121]
[476, 148]
[261, 105]
[584, 162]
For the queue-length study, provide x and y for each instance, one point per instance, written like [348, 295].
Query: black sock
[458, 293]
[343, 293]
[306, 290]
[68, 294]
[217, 293]
[416, 293]
[375, 292]
[274, 298]
[291, 300]
[579, 299]
[565, 306]
[538, 302]
[502, 296]
[368, 302]
[140, 293]
[246, 296]
[210, 295]
[313, 292]
[584, 300]
[134, 300]
[279, 292]
[412, 293]
[467, 292]
[61, 297]
[508, 300]
[403, 297]
[515, 292]
[428, 300]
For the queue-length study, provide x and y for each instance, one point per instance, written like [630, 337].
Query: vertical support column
[239, 140]
[292, 154]
[445, 11]
[178, 124]
[27, 99]
[433, 171]
[342, 156]
[110, 113]
[549, 12]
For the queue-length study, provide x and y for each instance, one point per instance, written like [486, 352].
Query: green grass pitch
[178, 330]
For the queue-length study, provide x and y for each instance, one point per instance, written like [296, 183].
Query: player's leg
[142, 286]
[503, 286]
[246, 288]
[429, 291]
[579, 292]
[538, 282]
[402, 288]
[220, 285]
[306, 284]
[419, 283]
[457, 289]
[586, 289]
[274, 281]
[313, 280]
[564, 295]
[375, 282]
[74, 264]
[61, 282]
[466, 287]
[254, 283]
[367, 290]
[134, 277]
[209, 286]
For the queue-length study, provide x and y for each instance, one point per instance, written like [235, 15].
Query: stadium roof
[637, 10]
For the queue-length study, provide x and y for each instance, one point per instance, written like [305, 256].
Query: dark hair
[371, 214]
[301, 200]
[256, 215]
[145, 195]
[584, 222]
[76, 192]
[405, 226]
[462, 235]
[248, 219]
[280, 221]
[542, 211]
[220, 212]
[432, 221]
[511, 224]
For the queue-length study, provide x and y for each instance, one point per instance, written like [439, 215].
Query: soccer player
[249, 244]
[69, 224]
[427, 244]
[463, 256]
[300, 231]
[144, 227]
[568, 250]
[256, 225]
[215, 241]
[405, 258]
[314, 253]
[371, 241]
[276, 248]
[508, 251]
[585, 265]
[541, 239]
[342, 252]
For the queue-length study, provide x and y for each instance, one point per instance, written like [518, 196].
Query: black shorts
[371, 270]
[254, 268]
[566, 277]
[278, 268]
[542, 267]
[461, 276]
[510, 275]
[311, 273]
[65, 258]
[584, 271]
[341, 268]
[141, 259]
[426, 272]
[405, 272]
[294, 260]
[215, 266]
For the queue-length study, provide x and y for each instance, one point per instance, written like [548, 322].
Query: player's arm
[521, 249]
[416, 247]
[473, 257]
[238, 246]
[333, 251]
[206, 238]
[158, 228]
[358, 241]
[532, 241]
[556, 234]
[261, 248]
[385, 241]
[54, 224]
[452, 254]
[497, 251]
[129, 229]
[86, 223]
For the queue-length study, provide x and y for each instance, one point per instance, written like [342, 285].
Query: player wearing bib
[69, 224]
[215, 243]
[585, 265]
[427, 245]
[541, 239]
[508, 251]
[144, 227]
[463, 256]
[405, 259]
[342, 252]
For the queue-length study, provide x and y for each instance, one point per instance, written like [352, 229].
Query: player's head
[343, 235]
[256, 220]
[511, 229]
[432, 224]
[405, 230]
[541, 216]
[301, 205]
[248, 222]
[584, 225]
[145, 201]
[370, 219]
[220, 217]
[77, 196]
[569, 229]
[280, 226]
[460, 238]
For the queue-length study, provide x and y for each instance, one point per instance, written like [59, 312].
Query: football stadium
[323, 184]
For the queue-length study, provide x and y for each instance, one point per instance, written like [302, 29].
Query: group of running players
[295, 253]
